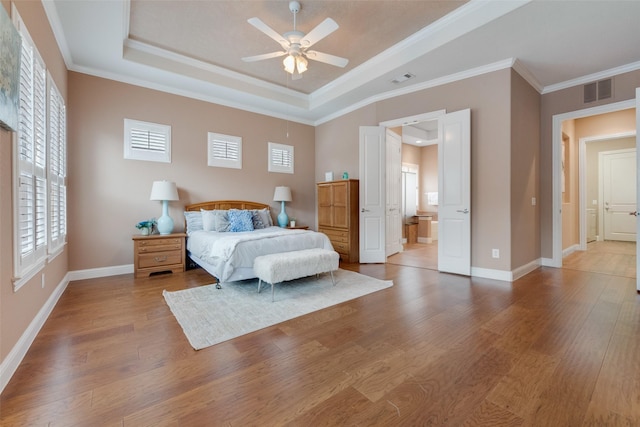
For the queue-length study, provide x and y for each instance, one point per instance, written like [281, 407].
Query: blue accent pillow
[240, 220]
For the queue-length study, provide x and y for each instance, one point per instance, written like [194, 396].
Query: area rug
[209, 315]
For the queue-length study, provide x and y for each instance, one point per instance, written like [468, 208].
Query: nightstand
[156, 253]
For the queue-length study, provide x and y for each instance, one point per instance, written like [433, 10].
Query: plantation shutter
[32, 212]
[57, 168]
[280, 158]
[224, 151]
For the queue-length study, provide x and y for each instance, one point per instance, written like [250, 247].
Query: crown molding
[634, 66]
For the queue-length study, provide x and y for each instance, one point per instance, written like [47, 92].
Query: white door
[394, 197]
[372, 194]
[454, 188]
[619, 194]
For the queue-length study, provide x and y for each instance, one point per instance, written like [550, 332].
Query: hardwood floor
[422, 255]
[558, 347]
[609, 257]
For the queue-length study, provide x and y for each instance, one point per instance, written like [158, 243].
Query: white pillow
[215, 220]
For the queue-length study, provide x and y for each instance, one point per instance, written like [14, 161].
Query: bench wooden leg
[332, 281]
[272, 292]
[259, 284]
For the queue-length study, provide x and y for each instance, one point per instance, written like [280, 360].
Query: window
[30, 163]
[147, 141]
[280, 158]
[57, 170]
[224, 151]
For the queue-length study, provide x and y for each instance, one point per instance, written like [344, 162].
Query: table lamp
[282, 194]
[164, 191]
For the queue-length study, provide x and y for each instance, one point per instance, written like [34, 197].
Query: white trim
[489, 273]
[93, 273]
[10, 363]
[571, 249]
[473, 72]
[556, 155]
[425, 240]
[523, 270]
[627, 68]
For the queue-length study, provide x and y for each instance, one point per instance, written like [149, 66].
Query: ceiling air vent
[596, 91]
[402, 78]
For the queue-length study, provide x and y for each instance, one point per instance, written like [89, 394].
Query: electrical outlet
[495, 253]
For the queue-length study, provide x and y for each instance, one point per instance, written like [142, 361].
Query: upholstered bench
[284, 266]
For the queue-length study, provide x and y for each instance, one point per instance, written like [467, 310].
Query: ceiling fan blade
[256, 22]
[326, 58]
[263, 56]
[323, 29]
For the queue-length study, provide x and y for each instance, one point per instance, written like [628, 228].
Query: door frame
[556, 166]
[582, 171]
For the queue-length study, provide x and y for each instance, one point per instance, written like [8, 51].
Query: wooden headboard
[225, 205]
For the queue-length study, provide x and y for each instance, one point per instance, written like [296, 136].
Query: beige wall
[488, 97]
[525, 170]
[108, 195]
[559, 102]
[18, 309]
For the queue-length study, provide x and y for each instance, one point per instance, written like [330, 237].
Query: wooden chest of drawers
[156, 253]
[338, 216]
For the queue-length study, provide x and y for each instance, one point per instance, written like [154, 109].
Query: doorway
[591, 207]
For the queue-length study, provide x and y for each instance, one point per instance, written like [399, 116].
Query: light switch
[533, 201]
[594, 202]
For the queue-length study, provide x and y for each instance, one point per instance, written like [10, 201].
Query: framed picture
[10, 47]
[328, 176]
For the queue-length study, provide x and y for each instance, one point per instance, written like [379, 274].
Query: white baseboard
[523, 270]
[425, 240]
[571, 249]
[489, 273]
[505, 276]
[93, 273]
[10, 364]
[548, 262]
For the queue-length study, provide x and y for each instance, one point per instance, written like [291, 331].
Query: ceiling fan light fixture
[289, 64]
[301, 64]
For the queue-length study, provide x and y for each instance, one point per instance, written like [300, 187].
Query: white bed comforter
[228, 251]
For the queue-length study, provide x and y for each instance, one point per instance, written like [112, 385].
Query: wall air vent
[605, 89]
[402, 78]
[596, 91]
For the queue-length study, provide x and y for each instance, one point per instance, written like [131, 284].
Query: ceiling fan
[296, 44]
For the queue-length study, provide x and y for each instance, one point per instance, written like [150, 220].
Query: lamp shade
[282, 194]
[164, 190]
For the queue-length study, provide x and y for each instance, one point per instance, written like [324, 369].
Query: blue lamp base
[165, 223]
[283, 219]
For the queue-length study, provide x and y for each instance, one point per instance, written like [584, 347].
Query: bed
[228, 255]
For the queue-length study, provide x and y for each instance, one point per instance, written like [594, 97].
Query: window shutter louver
[280, 158]
[147, 141]
[224, 151]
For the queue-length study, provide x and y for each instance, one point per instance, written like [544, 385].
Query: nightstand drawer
[160, 242]
[158, 259]
[142, 249]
